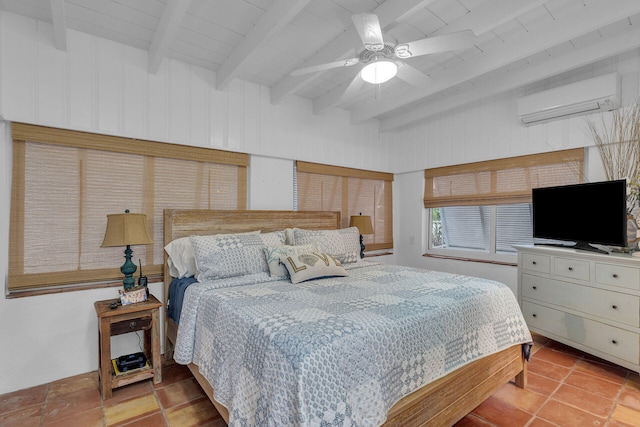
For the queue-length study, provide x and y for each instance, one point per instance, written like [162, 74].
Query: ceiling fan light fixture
[379, 71]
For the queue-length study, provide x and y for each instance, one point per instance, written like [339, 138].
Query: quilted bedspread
[339, 351]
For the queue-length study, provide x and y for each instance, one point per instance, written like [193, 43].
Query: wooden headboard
[186, 222]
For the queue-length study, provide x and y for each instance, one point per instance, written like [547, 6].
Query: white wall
[487, 130]
[103, 87]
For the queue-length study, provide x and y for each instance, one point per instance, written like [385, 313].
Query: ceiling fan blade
[368, 27]
[323, 67]
[436, 44]
[413, 76]
[353, 87]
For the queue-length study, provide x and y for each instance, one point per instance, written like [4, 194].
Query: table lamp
[127, 229]
[363, 222]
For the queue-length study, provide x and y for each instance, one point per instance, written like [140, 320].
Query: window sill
[371, 255]
[466, 259]
[11, 294]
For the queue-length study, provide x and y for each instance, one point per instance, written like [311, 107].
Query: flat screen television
[585, 214]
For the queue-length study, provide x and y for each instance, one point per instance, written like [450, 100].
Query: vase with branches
[618, 142]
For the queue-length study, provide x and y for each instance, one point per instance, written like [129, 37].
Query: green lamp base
[128, 268]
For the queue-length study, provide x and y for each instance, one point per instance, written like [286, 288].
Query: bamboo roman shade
[351, 192]
[65, 183]
[502, 181]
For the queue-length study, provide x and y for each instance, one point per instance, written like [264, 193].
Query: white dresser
[586, 300]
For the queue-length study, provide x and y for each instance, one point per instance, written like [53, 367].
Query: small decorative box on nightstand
[142, 316]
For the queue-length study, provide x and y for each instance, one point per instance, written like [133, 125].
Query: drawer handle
[614, 342]
[570, 268]
[132, 325]
[615, 276]
[534, 287]
[615, 307]
[534, 263]
[534, 315]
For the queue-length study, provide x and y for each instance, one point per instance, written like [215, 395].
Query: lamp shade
[126, 229]
[379, 71]
[363, 222]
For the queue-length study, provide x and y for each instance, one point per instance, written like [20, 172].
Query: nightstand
[142, 316]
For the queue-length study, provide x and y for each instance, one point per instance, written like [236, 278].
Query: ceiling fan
[383, 59]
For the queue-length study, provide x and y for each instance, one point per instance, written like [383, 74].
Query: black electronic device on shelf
[131, 361]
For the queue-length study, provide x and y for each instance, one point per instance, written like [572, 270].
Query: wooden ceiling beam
[59, 20]
[277, 16]
[169, 24]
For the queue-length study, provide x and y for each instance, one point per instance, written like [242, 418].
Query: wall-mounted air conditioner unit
[586, 96]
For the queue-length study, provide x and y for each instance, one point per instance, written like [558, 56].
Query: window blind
[66, 182]
[502, 181]
[466, 227]
[351, 192]
[513, 226]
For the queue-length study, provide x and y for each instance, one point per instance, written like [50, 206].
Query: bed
[440, 402]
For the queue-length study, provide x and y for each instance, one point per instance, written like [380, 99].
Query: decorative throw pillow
[182, 260]
[219, 256]
[274, 253]
[307, 266]
[343, 244]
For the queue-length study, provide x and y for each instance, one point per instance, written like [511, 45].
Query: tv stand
[581, 246]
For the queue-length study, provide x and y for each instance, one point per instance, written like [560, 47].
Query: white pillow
[182, 260]
[343, 244]
[307, 266]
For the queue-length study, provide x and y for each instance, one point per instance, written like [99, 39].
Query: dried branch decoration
[619, 146]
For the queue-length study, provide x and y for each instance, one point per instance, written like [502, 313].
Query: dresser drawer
[608, 305]
[572, 268]
[126, 326]
[607, 339]
[617, 275]
[535, 262]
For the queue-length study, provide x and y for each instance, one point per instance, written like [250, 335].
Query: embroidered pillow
[307, 266]
[343, 244]
[182, 260]
[274, 253]
[220, 256]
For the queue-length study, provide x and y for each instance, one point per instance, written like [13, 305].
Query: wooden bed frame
[440, 403]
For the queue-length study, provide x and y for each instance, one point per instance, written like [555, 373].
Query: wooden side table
[142, 316]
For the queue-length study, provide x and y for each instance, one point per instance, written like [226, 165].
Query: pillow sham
[182, 260]
[343, 244]
[307, 266]
[219, 256]
[274, 253]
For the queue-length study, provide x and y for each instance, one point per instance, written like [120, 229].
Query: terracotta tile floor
[566, 388]
[178, 401]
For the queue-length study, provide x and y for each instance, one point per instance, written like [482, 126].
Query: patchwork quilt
[339, 351]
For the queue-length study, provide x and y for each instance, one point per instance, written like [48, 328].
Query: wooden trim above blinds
[501, 181]
[342, 171]
[77, 139]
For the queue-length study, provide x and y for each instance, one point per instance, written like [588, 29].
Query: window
[470, 228]
[482, 209]
[350, 191]
[65, 183]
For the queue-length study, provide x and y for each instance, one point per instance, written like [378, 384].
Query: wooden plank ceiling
[517, 42]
